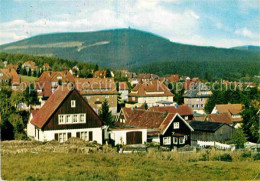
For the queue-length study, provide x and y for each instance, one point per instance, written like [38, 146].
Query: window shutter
[69, 135]
[78, 134]
[90, 136]
[56, 136]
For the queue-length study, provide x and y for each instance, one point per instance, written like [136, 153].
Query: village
[126, 109]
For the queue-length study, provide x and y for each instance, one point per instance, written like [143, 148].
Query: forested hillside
[141, 51]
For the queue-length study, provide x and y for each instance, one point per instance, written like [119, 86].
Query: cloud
[246, 33]
[184, 25]
[146, 15]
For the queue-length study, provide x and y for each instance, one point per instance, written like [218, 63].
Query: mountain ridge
[122, 48]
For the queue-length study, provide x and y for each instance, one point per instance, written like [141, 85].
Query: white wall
[119, 136]
[50, 135]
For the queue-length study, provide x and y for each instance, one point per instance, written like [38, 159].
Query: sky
[220, 23]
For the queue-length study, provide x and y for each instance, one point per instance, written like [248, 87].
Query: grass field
[28, 78]
[113, 166]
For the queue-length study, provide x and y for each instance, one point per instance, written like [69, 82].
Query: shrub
[224, 157]
[256, 156]
[246, 154]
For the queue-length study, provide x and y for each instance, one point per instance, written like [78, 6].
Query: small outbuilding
[210, 131]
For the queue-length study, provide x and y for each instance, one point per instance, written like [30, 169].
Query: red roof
[65, 76]
[92, 86]
[150, 88]
[147, 119]
[45, 86]
[123, 86]
[46, 111]
[183, 110]
[220, 118]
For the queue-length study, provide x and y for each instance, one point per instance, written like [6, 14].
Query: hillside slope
[122, 48]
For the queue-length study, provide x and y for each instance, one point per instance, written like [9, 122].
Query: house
[75, 71]
[166, 129]
[46, 67]
[126, 73]
[56, 77]
[183, 110]
[29, 65]
[12, 66]
[96, 90]
[172, 78]
[153, 93]
[210, 131]
[147, 77]
[9, 76]
[232, 110]
[197, 96]
[123, 89]
[220, 118]
[65, 114]
[100, 74]
[44, 90]
[134, 81]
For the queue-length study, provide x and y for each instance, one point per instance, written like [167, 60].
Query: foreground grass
[112, 166]
[25, 78]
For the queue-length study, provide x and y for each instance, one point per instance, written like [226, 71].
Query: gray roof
[206, 126]
[195, 89]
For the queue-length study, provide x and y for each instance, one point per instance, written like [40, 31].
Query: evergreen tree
[30, 95]
[96, 67]
[251, 121]
[106, 115]
[29, 72]
[108, 73]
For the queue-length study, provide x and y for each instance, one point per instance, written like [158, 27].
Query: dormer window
[73, 103]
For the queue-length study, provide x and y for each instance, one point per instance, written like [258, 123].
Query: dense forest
[208, 70]
[55, 63]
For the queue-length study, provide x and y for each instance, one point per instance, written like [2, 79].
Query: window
[198, 105]
[71, 118]
[62, 137]
[186, 117]
[84, 135]
[1, 74]
[88, 97]
[106, 96]
[75, 118]
[202, 105]
[73, 103]
[175, 140]
[181, 140]
[68, 119]
[82, 118]
[201, 99]
[61, 119]
[176, 125]
[192, 105]
[166, 140]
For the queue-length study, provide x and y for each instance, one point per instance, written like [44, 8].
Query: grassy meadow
[67, 161]
[25, 78]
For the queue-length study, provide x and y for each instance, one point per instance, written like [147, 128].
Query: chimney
[165, 113]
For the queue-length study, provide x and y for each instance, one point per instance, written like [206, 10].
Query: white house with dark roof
[65, 114]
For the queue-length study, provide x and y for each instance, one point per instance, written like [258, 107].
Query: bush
[246, 154]
[256, 156]
[224, 157]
